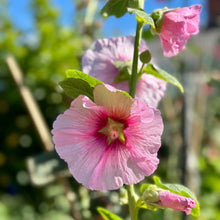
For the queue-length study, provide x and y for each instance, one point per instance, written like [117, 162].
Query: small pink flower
[99, 62]
[175, 201]
[177, 28]
[109, 142]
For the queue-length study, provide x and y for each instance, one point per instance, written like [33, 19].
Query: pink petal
[150, 89]
[99, 62]
[147, 134]
[144, 132]
[177, 28]
[114, 169]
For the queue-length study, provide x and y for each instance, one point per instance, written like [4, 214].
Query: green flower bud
[151, 194]
[145, 56]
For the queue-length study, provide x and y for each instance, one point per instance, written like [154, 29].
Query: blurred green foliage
[44, 56]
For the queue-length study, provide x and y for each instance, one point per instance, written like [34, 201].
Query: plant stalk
[131, 202]
[134, 74]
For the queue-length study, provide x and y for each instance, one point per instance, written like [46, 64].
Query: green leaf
[76, 74]
[107, 215]
[115, 7]
[162, 74]
[79, 83]
[136, 3]
[75, 87]
[180, 190]
[142, 16]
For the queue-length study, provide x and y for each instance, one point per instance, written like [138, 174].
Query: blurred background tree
[44, 54]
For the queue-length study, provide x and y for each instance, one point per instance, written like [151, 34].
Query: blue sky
[21, 15]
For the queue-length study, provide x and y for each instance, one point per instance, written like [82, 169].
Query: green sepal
[162, 74]
[79, 83]
[158, 17]
[180, 190]
[107, 215]
[115, 7]
[144, 187]
[140, 204]
[142, 16]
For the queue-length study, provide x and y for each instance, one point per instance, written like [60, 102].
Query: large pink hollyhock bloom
[109, 142]
[99, 62]
[178, 26]
[175, 201]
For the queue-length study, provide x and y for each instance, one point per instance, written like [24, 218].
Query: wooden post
[31, 105]
[41, 126]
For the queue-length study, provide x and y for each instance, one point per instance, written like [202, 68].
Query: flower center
[113, 130]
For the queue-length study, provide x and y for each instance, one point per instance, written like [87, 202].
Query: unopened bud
[145, 56]
[155, 197]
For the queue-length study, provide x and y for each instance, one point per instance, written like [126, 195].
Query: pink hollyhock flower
[100, 62]
[177, 28]
[109, 142]
[156, 197]
[175, 201]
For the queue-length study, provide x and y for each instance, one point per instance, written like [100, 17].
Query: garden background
[48, 37]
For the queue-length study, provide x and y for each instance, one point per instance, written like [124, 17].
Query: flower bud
[175, 201]
[155, 197]
[145, 56]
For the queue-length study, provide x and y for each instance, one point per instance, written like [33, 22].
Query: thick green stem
[133, 83]
[134, 74]
[131, 202]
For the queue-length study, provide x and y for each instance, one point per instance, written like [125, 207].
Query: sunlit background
[48, 37]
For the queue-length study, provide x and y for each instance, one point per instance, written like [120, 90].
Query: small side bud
[145, 56]
[155, 197]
